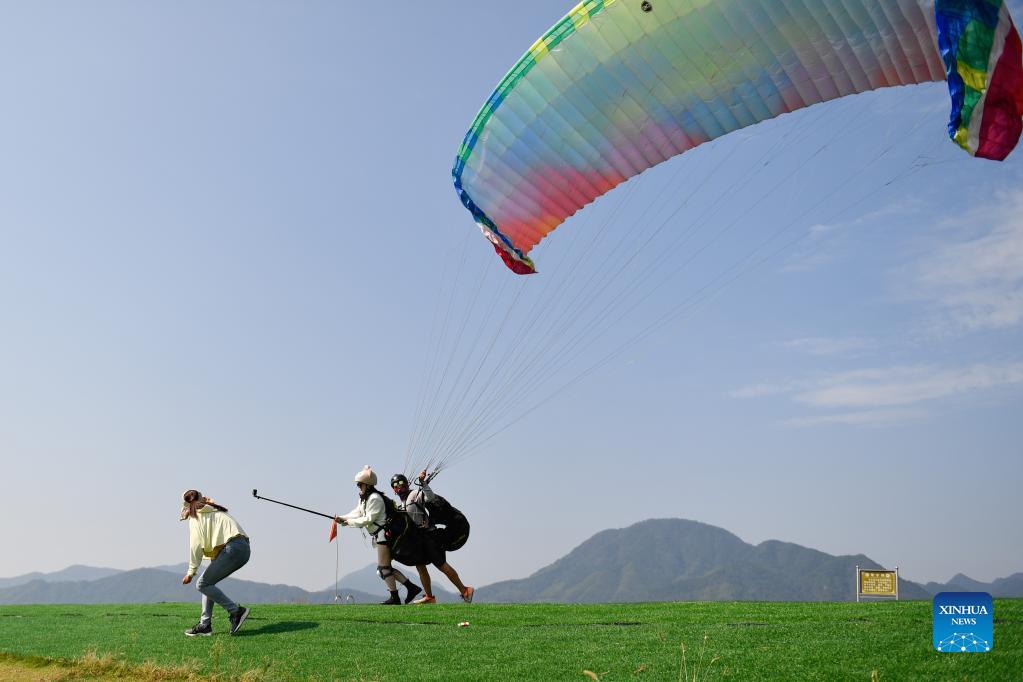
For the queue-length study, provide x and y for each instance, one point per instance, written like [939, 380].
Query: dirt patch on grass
[85, 668]
[17, 673]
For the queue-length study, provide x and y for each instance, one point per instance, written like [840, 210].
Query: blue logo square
[964, 622]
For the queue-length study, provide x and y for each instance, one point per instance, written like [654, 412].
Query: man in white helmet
[372, 514]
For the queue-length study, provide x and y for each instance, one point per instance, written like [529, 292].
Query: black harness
[396, 523]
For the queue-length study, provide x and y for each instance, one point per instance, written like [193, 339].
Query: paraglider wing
[618, 86]
[982, 55]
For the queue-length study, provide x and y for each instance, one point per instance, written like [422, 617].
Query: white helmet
[366, 476]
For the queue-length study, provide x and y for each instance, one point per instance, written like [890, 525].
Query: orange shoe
[426, 599]
[467, 595]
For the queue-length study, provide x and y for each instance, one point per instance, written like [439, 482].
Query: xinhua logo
[963, 622]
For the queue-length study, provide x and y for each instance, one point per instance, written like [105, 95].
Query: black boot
[413, 591]
[393, 599]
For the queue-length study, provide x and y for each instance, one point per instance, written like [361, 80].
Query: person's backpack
[455, 531]
[409, 544]
[440, 510]
[397, 525]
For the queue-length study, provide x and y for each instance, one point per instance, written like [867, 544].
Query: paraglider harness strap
[425, 504]
[420, 503]
[391, 520]
[387, 517]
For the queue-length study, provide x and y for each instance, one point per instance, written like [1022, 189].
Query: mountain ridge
[653, 560]
[685, 560]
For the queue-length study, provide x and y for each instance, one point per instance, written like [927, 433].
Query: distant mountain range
[1011, 586]
[680, 560]
[72, 585]
[147, 585]
[655, 560]
[69, 574]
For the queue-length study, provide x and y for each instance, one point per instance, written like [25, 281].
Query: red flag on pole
[333, 530]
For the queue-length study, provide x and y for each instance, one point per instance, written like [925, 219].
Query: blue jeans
[233, 556]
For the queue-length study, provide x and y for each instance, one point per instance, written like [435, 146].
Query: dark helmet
[399, 481]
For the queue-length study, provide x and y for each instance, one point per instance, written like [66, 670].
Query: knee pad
[385, 572]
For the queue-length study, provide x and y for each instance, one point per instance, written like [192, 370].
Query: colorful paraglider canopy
[618, 86]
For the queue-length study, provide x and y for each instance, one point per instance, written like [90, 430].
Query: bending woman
[214, 534]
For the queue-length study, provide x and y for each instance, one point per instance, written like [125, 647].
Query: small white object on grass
[464, 624]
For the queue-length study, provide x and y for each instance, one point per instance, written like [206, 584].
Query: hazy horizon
[348, 572]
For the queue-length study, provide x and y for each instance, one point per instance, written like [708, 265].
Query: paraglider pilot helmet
[399, 482]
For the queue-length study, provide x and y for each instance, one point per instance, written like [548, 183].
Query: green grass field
[726, 641]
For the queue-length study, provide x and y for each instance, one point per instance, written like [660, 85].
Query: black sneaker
[199, 630]
[413, 592]
[390, 601]
[238, 617]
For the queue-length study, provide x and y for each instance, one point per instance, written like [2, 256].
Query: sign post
[877, 584]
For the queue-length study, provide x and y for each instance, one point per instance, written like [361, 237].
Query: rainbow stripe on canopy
[618, 86]
[984, 64]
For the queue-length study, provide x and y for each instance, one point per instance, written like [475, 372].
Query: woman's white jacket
[208, 532]
[370, 514]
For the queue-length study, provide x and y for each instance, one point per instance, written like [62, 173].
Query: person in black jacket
[414, 503]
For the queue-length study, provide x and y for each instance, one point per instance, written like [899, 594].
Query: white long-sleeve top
[370, 514]
[415, 505]
[208, 532]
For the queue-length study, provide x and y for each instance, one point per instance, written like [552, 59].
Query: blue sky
[226, 229]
